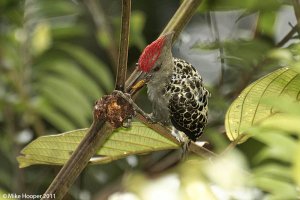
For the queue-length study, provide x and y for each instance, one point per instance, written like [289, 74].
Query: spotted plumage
[175, 89]
[187, 100]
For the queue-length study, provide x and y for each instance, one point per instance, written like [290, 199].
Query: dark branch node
[113, 108]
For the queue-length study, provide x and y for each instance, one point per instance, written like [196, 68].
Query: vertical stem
[123, 49]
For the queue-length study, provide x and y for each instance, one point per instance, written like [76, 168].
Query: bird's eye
[157, 68]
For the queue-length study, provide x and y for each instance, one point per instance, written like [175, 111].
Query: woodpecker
[175, 89]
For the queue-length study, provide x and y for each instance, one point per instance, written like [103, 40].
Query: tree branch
[157, 127]
[201, 150]
[287, 37]
[296, 5]
[79, 159]
[182, 16]
[109, 113]
[123, 49]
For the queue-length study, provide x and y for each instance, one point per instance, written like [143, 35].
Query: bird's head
[155, 63]
[157, 55]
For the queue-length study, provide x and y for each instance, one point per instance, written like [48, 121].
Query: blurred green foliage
[58, 57]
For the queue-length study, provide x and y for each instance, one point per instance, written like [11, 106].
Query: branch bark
[296, 4]
[287, 37]
[182, 16]
[124, 42]
[79, 159]
[109, 113]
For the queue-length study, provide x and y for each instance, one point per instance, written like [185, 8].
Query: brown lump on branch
[114, 109]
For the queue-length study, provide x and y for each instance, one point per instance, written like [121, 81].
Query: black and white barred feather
[188, 99]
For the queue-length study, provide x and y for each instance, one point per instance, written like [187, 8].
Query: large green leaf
[278, 189]
[249, 108]
[66, 97]
[69, 70]
[55, 149]
[296, 167]
[91, 63]
[282, 172]
[279, 146]
[53, 116]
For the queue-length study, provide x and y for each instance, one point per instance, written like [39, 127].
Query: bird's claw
[150, 118]
[127, 123]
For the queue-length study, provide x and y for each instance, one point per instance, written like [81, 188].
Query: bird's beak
[136, 81]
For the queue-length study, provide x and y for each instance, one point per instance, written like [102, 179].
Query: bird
[175, 88]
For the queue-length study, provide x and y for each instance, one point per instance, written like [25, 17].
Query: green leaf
[253, 5]
[248, 109]
[266, 22]
[70, 71]
[137, 24]
[244, 54]
[273, 170]
[272, 153]
[67, 98]
[66, 90]
[279, 146]
[56, 149]
[283, 122]
[54, 117]
[60, 8]
[277, 188]
[91, 63]
[296, 167]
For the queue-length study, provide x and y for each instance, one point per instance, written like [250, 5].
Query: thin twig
[123, 49]
[296, 5]
[201, 151]
[247, 77]
[182, 16]
[287, 37]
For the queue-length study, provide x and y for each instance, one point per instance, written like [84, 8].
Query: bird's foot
[184, 141]
[180, 136]
[127, 123]
[150, 118]
[185, 149]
